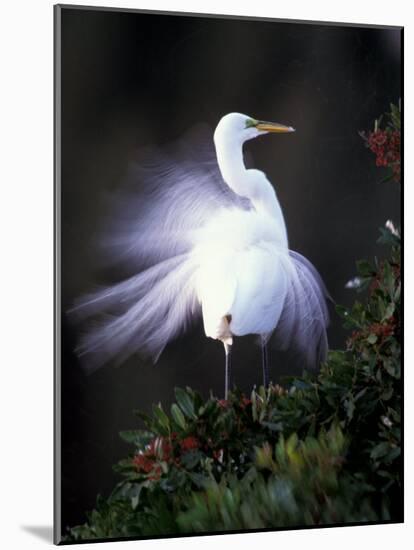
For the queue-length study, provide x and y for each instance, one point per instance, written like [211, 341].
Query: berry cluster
[165, 452]
[147, 462]
[381, 331]
[386, 145]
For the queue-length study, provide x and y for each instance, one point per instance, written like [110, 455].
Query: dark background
[131, 80]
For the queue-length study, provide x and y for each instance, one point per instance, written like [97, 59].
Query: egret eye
[251, 123]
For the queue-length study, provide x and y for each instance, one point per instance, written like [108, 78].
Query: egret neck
[251, 183]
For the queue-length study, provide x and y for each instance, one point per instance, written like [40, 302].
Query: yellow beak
[273, 127]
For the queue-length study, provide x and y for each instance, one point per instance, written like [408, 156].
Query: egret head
[239, 127]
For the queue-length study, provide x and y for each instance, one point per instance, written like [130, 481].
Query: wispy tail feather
[158, 305]
[304, 319]
[124, 293]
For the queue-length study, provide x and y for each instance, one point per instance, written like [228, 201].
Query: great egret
[213, 242]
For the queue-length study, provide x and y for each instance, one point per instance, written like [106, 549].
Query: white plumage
[209, 239]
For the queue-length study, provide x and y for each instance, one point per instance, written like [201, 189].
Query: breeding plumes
[208, 239]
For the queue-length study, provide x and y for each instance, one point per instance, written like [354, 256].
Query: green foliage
[324, 449]
[296, 483]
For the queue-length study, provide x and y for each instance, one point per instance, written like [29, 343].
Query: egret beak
[273, 127]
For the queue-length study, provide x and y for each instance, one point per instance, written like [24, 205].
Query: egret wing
[169, 193]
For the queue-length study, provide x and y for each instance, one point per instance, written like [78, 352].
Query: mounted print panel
[228, 274]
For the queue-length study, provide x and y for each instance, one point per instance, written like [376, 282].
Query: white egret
[213, 242]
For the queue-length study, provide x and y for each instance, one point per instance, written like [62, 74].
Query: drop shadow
[43, 532]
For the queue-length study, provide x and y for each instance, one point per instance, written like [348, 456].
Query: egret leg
[227, 379]
[265, 362]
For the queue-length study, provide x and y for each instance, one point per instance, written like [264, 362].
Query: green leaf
[393, 454]
[341, 310]
[178, 416]
[253, 399]
[140, 438]
[273, 426]
[201, 481]
[380, 450]
[397, 293]
[388, 238]
[162, 418]
[390, 366]
[364, 268]
[291, 444]
[185, 403]
[372, 338]
[190, 459]
[350, 408]
[389, 311]
[387, 393]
